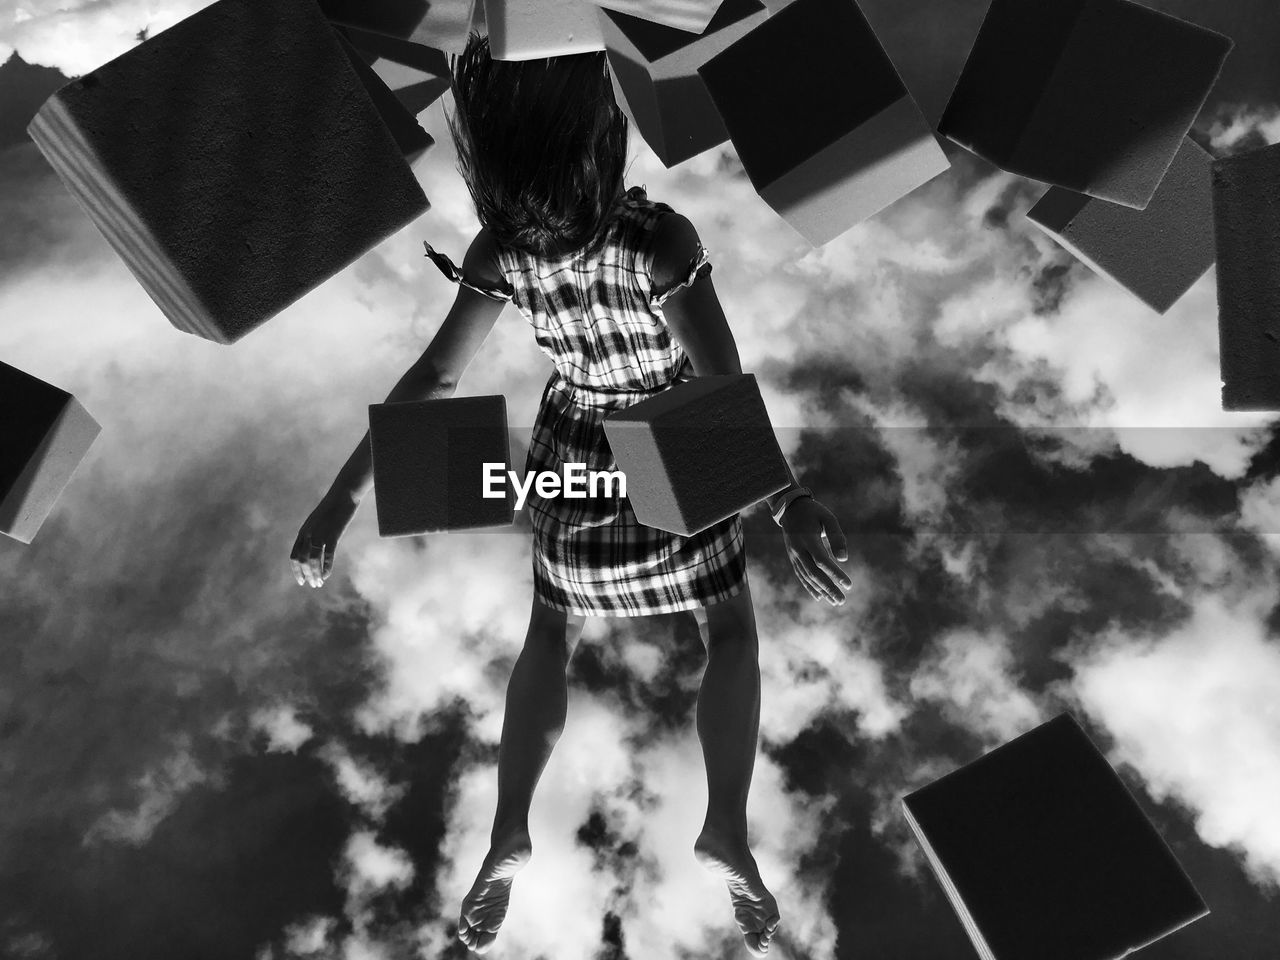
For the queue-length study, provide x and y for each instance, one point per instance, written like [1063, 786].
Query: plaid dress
[595, 315]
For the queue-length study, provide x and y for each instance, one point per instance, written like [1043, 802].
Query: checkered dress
[596, 317]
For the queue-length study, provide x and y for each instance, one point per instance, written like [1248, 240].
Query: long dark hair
[541, 145]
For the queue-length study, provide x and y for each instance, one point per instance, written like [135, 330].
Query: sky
[1048, 511]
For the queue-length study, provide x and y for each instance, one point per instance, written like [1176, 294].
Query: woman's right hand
[312, 556]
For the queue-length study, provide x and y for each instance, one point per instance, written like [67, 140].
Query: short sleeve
[450, 270]
[699, 266]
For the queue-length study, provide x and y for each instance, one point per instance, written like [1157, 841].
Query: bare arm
[698, 322]
[434, 375]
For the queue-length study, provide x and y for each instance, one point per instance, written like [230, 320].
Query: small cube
[428, 464]
[1246, 226]
[438, 24]
[533, 29]
[1091, 95]
[1045, 855]
[655, 72]
[1156, 253]
[234, 162]
[44, 434]
[697, 453]
[403, 126]
[693, 16]
[828, 134]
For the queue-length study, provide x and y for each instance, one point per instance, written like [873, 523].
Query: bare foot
[485, 907]
[753, 905]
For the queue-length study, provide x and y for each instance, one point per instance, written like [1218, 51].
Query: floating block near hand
[1157, 253]
[827, 133]
[1045, 855]
[1091, 95]
[233, 161]
[428, 464]
[697, 453]
[403, 126]
[655, 73]
[44, 434]
[437, 24]
[1246, 226]
[533, 29]
[692, 16]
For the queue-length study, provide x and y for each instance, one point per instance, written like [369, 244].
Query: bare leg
[537, 701]
[728, 725]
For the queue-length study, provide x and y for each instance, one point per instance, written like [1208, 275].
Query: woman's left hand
[815, 558]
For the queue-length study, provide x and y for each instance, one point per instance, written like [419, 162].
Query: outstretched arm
[815, 542]
[434, 375]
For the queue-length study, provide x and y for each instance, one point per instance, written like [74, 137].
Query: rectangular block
[428, 458]
[416, 74]
[697, 453]
[828, 134]
[403, 126]
[233, 161]
[691, 16]
[44, 435]
[1246, 226]
[1045, 855]
[533, 29]
[1156, 253]
[1091, 95]
[655, 72]
[438, 24]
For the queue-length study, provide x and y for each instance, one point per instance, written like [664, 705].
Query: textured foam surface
[1156, 253]
[44, 435]
[533, 29]
[655, 71]
[691, 16]
[1046, 856]
[828, 134]
[1246, 219]
[1091, 95]
[428, 458]
[412, 140]
[697, 453]
[438, 24]
[233, 161]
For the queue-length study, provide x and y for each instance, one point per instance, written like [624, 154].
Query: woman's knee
[555, 629]
[731, 621]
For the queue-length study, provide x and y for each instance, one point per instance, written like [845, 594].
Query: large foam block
[692, 16]
[44, 434]
[412, 140]
[233, 161]
[428, 464]
[437, 24]
[1157, 253]
[655, 71]
[1045, 855]
[697, 453]
[1246, 223]
[828, 134]
[533, 29]
[1091, 95]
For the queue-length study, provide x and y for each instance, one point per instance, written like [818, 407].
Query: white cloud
[285, 732]
[158, 793]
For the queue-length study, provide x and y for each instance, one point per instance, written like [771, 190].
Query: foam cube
[655, 72]
[693, 16]
[825, 129]
[1156, 253]
[437, 24]
[1091, 95]
[1045, 855]
[412, 140]
[533, 29]
[697, 453]
[233, 161]
[428, 464]
[1246, 224]
[44, 434]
